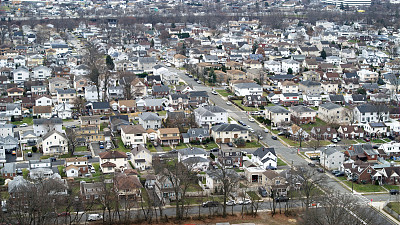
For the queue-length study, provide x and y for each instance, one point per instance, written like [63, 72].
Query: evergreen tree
[152, 43]
[323, 54]
[290, 71]
[109, 62]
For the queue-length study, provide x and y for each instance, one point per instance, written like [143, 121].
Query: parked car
[19, 171]
[210, 204]
[335, 171]
[320, 170]
[367, 139]
[281, 199]
[101, 146]
[199, 82]
[230, 144]
[266, 130]
[190, 75]
[230, 203]
[229, 103]
[394, 192]
[274, 138]
[214, 150]
[94, 217]
[155, 144]
[281, 133]
[195, 79]
[23, 125]
[244, 202]
[311, 164]
[334, 140]
[251, 120]
[64, 214]
[340, 174]
[92, 170]
[29, 154]
[53, 159]
[262, 191]
[214, 93]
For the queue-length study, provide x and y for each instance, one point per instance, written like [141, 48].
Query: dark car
[210, 204]
[230, 144]
[29, 154]
[64, 214]
[340, 174]
[274, 138]
[262, 191]
[320, 170]
[311, 164]
[195, 79]
[335, 171]
[281, 199]
[394, 192]
[214, 150]
[88, 156]
[53, 159]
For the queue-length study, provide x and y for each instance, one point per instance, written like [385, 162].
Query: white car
[92, 170]
[23, 125]
[266, 130]
[199, 82]
[251, 119]
[231, 202]
[229, 103]
[214, 93]
[244, 202]
[94, 217]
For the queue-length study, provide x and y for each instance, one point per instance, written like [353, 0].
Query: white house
[288, 87]
[112, 161]
[191, 152]
[43, 101]
[277, 115]
[133, 135]
[265, 158]
[243, 89]
[333, 113]
[91, 94]
[150, 120]
[331, 158]
[63, 110]
[273, 66]
[21, 74]
[141, 158]
[54, 142]
[72, 171]
[42, 126]
[376, 129]
[366, 75]
[290, 64]
[209, 115]
[392, 148]
[368, 113]
[41, 72]
[6, 130]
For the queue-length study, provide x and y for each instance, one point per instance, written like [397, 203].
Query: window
[277, 182]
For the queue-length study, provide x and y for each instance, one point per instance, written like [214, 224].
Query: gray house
[150, 120]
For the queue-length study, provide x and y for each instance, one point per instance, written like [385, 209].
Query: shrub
[34, 149]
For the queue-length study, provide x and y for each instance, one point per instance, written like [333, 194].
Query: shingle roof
[133, 129]
[47, 121]
[228, 127]
[149, 116]
[112, 155]
[277, 109]
[262, 151]
[330, 105]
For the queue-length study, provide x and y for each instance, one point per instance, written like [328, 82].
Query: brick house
[323, 133]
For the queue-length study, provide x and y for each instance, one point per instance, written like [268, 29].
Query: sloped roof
[112, 155]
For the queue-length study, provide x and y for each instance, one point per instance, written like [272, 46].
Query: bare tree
[79, 105]
[310, 180]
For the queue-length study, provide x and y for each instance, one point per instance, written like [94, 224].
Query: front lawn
[245, 108]
[395, 206]
[166, 148]
[151, 147]
[281, 163]
[28, 120]
[224, 93]
[103, 125]
[253, 196]
[61, 171]
[211, 145]
[162, 113]
[81, 149]
[181, 146]
[194, 187]
[378, 141]
[364, 187]
[391, 187]
[67, 120]
[121, 146]
[251, 144]
[361, 141]
[308, 127]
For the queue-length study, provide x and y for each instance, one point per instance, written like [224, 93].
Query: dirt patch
[262, 218]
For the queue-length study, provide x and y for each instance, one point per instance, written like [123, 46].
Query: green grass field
[224, 93]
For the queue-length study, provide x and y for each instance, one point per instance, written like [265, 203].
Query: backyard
[308, 127]
[81, 149]
[28, 120]
[151, 147]
[121, 146]
[239, 103]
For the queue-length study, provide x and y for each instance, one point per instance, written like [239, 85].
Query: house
[288, 87]
[179, 101]
[126, 106]
[127, 187]
[368, 113]
[362, 152]
[54, 142]
[333, 113]
[99, 108]
[254, 101]
[226, 133]
[150, 120]
[80, 163]
[391, 149]
[91, 191]
[168, 136]
[66, 95]
[331, 158]
[310, 87]
[117, 121]
[63, 111]
[265, 158]
[141, 158]
[288, 64]
[197, 97]
[323, 133]
[43, 101]
[146, 63]
[275, 183]
[41, 163]
[312, 99]
[20, 75]
[209, 115]
[230, 157]
[138, 88]
[198, 134]
[91, 94]
[133, 135]
[6, 130]
[112, 161]
[42, 112]
[42, 126]
[278, 115]
[179, 60]
[15, 93]
[41, 72]
[7, 144]
[9, 170]
[350, 132]
[213, 178]
[160, 91]
[72, 171]
[192, 152]
[39, 90]
[376, 129]
[302, 114]
[243, 89]
[90, 121]
[152, 104]
[289, 99]
[367, 76]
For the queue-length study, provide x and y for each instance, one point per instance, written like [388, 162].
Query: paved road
[69, 123]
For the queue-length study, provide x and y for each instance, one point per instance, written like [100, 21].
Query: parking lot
[96, 147]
